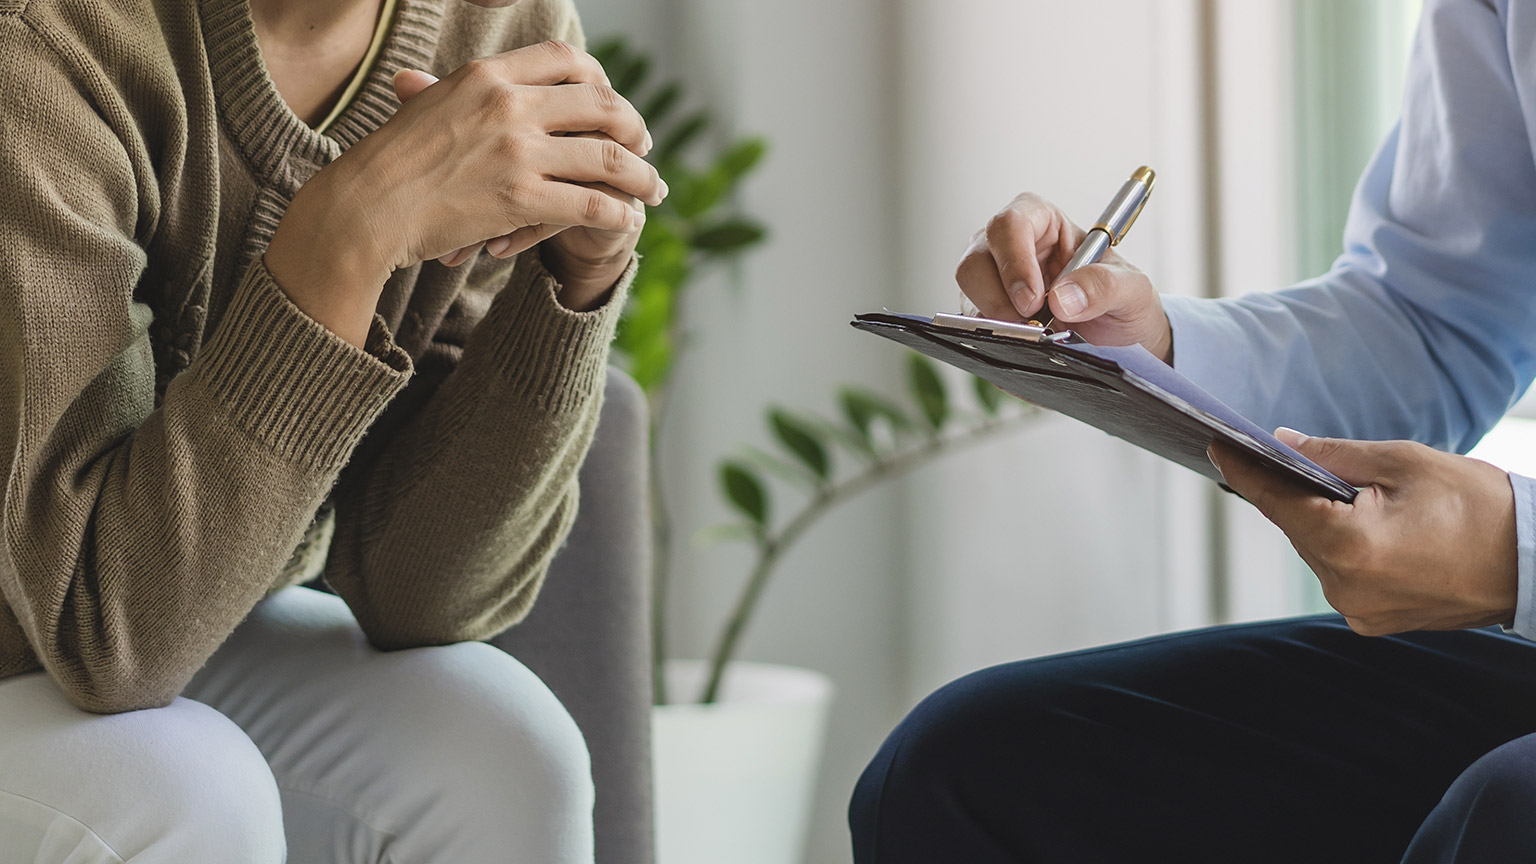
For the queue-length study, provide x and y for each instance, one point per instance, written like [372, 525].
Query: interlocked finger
[600, 161]
[583, 108]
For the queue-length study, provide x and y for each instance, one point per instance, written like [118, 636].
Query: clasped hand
[508, 151]
[1429, 543]
[585, 256]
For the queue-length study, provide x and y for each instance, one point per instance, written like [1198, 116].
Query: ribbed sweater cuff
[290, 382]
[547, 353]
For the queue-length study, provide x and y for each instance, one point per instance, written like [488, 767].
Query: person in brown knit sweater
[296, 288]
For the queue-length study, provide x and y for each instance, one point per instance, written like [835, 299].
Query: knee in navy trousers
[1293, 741]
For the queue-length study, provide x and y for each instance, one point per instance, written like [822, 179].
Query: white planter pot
[734, 780]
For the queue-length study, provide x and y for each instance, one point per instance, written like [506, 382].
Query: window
[1350, 65]
[1351, 59]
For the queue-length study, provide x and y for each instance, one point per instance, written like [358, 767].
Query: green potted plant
[696, 229]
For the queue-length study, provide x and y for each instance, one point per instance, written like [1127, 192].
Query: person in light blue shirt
[1404, 730]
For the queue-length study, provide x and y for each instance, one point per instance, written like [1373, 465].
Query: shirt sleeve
[1426, 326]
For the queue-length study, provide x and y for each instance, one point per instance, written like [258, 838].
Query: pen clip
[1126, 229]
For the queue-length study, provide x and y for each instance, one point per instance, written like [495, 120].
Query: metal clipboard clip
[1007, 329]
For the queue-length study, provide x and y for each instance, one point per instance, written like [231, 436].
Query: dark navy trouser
[1293, 741]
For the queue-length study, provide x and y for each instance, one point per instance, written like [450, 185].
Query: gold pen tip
[1145, 175]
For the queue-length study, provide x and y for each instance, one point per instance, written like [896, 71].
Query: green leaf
[730, 531]
[697, 194]
[662, 247]
[627, 77]
[676, 142]
[694, 195]
[648, 315]
[739, 160]
[729, 237]
[802, 440]
[792, 472]
[649, 322]
[646, 330]
[659, 107]
[745, 491]
[609, 52]
[862, 408]
[847, 437]
[928, 387]
[988, 395]
[652, 367]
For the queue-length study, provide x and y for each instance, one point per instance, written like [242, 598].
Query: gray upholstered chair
[588, 636]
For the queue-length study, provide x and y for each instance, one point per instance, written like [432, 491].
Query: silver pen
[1107, 233]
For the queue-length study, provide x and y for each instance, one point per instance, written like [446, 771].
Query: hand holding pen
[1030, 262]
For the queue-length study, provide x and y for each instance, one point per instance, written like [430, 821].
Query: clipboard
[1124, 391]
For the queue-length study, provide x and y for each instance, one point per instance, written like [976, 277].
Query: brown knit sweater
[173, 429]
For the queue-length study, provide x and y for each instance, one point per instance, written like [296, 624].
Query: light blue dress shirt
[1425, 328]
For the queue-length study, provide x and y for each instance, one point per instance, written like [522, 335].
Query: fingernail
[498, 247]
[1214, 464]
[1070, 298]
[1018, 294]
[447, 260]
[649, 142]
[1290, 437]
[665, 189]
[639, 220]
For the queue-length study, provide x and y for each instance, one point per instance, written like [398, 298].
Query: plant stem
[661, 564]
[771, 546]
[661, 528]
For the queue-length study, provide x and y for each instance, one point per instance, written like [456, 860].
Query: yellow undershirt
[364, 69]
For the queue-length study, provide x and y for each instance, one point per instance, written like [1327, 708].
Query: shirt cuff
[1199, 350]
[1525, 539]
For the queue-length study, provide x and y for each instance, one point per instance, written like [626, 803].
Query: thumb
[409, 82]
[1087, 293]
[1359, 463]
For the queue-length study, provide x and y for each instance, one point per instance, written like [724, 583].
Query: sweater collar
[261, 125]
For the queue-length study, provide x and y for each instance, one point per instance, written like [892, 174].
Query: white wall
[1063, 538]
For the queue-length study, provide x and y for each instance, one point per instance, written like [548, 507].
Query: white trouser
[298, 742]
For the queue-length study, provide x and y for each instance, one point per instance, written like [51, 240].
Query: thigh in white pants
[298, 736]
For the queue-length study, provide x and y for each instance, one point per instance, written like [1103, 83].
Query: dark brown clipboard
[1124, 391]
